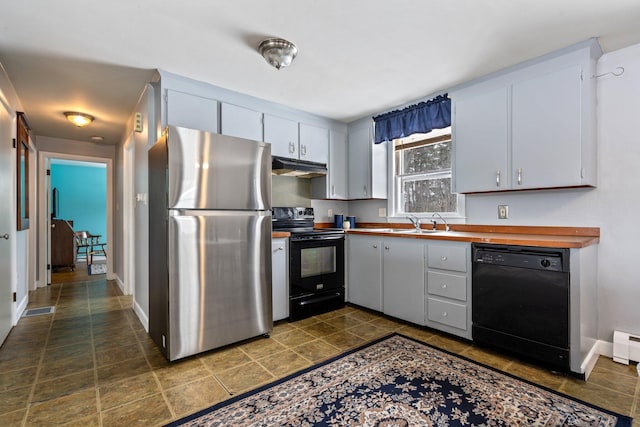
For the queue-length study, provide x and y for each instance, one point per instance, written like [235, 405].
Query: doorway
[78, 208]
[64, 202]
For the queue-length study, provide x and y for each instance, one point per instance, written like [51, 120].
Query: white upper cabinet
[481, 135]
[240, 122]
[314, 143]
[337, 165]
[530, 128]
[546, 130]
[367, 171]
[282, 134]
[191, 111]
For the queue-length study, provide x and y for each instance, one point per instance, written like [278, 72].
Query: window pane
[427, 158]
[429, 195]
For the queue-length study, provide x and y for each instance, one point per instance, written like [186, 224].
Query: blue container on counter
[338, 221]
[352, 221]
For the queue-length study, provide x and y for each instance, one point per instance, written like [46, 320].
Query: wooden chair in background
[88, 245]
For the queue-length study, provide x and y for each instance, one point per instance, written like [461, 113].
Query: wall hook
[614, 73]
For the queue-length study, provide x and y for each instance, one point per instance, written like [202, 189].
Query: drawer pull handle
[444, 314]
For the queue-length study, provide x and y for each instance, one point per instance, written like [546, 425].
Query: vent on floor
[38, 311]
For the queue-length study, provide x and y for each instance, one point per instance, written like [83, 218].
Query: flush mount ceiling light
[78, 119]
[278, 52]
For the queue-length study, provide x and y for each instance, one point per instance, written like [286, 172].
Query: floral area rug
[398, 381]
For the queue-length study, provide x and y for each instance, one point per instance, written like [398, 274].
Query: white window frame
[394, 201]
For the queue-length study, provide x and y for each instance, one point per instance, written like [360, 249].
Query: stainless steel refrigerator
[209, 241]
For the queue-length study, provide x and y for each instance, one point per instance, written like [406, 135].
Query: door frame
[129, 216]
[44, 159]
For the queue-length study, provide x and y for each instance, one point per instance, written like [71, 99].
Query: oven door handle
[317, 238]
[319, 299]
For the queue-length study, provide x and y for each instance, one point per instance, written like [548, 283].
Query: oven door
[316, 265]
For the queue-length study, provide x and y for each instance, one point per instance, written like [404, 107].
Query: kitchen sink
[400, 230]
[414, 231]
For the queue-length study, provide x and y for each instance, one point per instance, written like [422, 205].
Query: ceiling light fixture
[78, 119]
[278, 52]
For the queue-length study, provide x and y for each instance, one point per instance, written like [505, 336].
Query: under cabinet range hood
[300, 168]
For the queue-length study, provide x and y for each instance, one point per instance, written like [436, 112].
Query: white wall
[22, 266]
[612, 206]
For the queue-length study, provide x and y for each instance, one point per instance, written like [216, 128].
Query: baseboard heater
[626, 347]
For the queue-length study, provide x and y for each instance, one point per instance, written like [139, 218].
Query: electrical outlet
[382, 212]
[329, 213]
[503, 211]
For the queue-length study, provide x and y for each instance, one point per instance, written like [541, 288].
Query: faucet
[446, 226]
[415, 221]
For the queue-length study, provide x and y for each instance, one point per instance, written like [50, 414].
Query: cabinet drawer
[447, 285]
[448, 313]
[448, 257]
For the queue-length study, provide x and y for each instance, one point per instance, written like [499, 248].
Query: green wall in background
[82, 195]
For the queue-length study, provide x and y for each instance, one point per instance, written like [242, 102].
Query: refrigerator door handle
[208, 212]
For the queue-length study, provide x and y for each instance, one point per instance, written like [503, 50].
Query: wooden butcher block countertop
[556, 237]
[280, 234]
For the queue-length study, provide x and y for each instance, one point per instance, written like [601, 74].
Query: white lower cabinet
[387, 275]
[448, 296]
[365, 271]
[426, 282]
[280, 278]
[403, 279]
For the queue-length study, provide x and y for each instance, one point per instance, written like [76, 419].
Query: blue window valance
[419, 118]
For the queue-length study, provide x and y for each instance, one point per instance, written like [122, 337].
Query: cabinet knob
[443, 258]
[444, 314]
[444, 286]
[375, 246]
[386, 247]
[280, 248]
[5, 236]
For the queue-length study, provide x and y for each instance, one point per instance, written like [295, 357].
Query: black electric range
[316, 263]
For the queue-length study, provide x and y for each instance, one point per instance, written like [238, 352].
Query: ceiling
[357, 57]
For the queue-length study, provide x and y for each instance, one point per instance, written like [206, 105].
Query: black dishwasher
[521, 301]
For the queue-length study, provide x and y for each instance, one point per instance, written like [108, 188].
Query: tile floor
[92, 364]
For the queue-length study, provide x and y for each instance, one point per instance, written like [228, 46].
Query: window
[422, 169]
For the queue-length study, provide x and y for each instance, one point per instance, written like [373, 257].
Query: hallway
[92, 364]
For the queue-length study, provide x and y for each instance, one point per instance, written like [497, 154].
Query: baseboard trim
[605, 348]
[20, 308]
[141, 315]
[120, 284]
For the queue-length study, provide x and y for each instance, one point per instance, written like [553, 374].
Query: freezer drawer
[219, 279]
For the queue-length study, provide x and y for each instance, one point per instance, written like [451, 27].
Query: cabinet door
[480, 140]
[403, 279]
[379, 170]
[279, 279]
[359, 163]
[337, 165]
[365, 271]
[314, 143]
[191, 111]
[240, 122]
[283, 136]
[546, 135]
